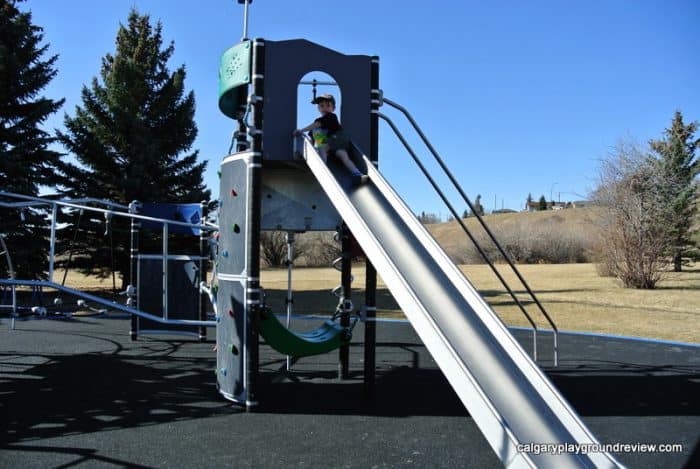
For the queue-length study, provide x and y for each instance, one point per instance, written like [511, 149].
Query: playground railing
[20, 201]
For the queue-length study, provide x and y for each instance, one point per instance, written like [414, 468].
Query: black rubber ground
[79, 393]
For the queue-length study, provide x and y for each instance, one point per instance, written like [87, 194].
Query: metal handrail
[108, 303]
[464, 227]
[63, 203]
[481, 221]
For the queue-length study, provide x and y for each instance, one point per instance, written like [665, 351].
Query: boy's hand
[297, 132]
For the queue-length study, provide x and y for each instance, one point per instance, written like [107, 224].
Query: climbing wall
[232, 273]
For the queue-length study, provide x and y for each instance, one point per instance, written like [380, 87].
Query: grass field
[573, 294]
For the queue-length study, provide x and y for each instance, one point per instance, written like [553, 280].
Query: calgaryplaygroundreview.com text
[585, 448]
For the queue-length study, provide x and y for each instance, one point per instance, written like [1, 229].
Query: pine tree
[678, 162]
[542, 203]
[129, 136]
[478, 208]
[26, 162]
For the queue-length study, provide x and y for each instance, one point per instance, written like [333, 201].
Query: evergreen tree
[678, 162]
[479, 209]
[129, 136]
[542, 203]
[528, 201]
[26, 162]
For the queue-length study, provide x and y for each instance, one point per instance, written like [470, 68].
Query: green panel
[326, 338]
[234, 75]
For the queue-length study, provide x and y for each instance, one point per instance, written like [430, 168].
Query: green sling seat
[323, 339]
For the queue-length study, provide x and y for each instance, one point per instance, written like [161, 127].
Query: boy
[328, 135]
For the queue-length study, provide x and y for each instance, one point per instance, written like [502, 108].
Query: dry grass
[573, 294]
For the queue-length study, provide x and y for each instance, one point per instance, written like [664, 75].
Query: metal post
[253, 290]
[245, 18]
[203, 268]
[133, 268]
[346, 281]
[14, 306]
[165, 270]
[289, 300]
[370, 271]
[52, 248]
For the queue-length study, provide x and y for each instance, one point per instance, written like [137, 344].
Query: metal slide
[506, 393]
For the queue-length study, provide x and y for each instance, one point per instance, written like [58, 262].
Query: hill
[551, 236]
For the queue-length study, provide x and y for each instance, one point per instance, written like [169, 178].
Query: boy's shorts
[338, 141]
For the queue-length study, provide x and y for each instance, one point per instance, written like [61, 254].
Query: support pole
[165, 270]
[132, 293]
[289, 300]
[203, 268]
[52, 248]
[245, 18]
[370, 271]
[345, 280]
[255, 196]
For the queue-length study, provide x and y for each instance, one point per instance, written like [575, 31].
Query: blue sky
[518, 96]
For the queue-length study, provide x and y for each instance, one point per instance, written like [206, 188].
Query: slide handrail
[459, 189]
[464, 228]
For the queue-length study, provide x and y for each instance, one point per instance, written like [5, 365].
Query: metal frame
[135, 256]
[170, 257]
[30, 201]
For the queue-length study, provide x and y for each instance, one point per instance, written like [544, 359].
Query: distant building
[535, 206]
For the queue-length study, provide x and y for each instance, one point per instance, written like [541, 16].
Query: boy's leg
[323, 152]
[343, 155]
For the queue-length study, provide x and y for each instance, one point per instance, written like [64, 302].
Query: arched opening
[321, 83]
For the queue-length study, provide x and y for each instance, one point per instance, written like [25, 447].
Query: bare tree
[636, 216]
[273, 248]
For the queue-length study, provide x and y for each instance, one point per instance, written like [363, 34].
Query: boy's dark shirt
[329, 122]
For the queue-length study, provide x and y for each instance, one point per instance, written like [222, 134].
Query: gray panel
[286, 63]
[292, 200]
[230, 340]
[233, 210]
[183, 291]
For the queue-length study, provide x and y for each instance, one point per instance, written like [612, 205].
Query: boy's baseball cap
[324, 97]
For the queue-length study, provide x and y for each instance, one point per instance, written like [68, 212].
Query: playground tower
[266, 186]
